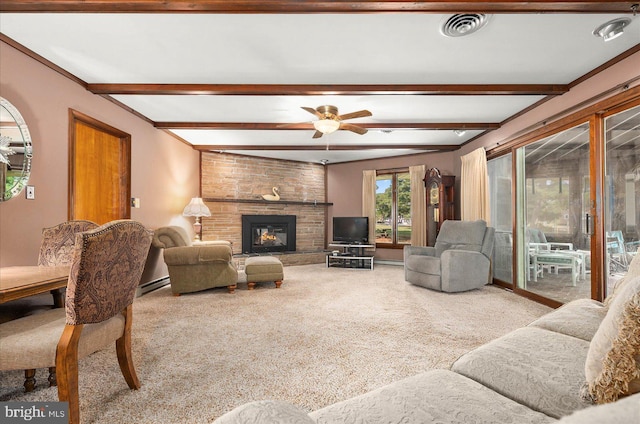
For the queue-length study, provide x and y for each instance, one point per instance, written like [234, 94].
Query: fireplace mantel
[262, 201]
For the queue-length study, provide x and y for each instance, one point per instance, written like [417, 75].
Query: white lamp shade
[326, 126]
[196, 208]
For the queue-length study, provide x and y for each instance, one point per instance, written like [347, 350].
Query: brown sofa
[194, 268]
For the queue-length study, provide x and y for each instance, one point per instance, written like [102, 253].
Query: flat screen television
[354, 229]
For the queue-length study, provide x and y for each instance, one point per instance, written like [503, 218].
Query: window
[549, 204]
[393, 208]
[500, 180]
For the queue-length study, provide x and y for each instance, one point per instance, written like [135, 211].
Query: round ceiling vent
[463, 24]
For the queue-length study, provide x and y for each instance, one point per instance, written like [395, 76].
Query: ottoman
[263, 269]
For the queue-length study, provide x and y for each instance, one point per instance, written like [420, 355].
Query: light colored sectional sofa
[577, 364]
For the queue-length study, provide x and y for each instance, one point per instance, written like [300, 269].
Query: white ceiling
[319, 49]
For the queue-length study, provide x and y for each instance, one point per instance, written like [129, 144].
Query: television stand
[352, 256]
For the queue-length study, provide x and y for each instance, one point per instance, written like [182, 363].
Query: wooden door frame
[125, 159]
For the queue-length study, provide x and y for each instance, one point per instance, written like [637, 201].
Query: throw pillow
[612, 367]
[632, 272]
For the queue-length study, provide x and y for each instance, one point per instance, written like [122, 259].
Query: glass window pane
[554, 244]
[384, 205]
[622, 192]
[404, 208]
[500, 177]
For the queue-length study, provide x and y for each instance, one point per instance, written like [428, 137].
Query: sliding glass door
[621, 192]
[554, 244]
[500, 182]
[565, 203]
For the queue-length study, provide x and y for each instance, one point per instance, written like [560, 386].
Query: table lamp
[196, 208]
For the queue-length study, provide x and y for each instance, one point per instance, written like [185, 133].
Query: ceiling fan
[329, 120]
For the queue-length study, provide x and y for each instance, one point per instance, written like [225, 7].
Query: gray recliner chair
[459, 261]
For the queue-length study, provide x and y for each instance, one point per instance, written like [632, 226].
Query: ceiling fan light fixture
[612, 29]
[326, 126]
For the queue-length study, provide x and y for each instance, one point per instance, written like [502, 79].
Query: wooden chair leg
[52, 377]
[123, 350]
[67, 370]
[29, 380]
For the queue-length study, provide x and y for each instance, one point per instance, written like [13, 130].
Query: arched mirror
[15, 151]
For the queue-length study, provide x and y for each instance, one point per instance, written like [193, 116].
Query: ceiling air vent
[463, 24]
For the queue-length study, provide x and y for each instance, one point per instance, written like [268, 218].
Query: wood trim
[622, 107]
[332, 89]
[265, 202]
[582, 111]
[218, 148]
[537, 298]
[598, 208]
[527, 294]
[127, 108]
[308, 6]
[268, 126]
[35, 56]
[605, 65]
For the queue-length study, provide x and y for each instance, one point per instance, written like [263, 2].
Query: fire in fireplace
[268, 233]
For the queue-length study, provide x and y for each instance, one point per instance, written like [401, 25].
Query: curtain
[369, 202]
[418, 206]
[474, 187]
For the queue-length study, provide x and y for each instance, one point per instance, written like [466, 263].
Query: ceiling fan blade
[313, 111]
[317, 134]
[358, 114]
[353, 128]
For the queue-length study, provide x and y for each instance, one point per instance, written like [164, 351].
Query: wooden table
[17, 282]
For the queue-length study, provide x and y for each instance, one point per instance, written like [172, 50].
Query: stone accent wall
[240, 181]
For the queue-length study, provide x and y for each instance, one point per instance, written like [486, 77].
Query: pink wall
[621, 73]
[165, 172]
[345, 180]
[344, 185]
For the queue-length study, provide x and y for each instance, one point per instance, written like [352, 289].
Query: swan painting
[272, 197]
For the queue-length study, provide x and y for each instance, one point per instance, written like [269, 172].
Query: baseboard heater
[151, 286]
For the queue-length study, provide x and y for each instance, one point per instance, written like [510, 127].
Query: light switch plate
[30, 192]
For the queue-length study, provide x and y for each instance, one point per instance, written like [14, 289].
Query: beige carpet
[326, 335]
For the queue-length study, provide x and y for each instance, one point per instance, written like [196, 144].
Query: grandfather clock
[440, 201]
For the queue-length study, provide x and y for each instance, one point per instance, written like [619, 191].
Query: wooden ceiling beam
[330, 89]
[308, 126]
[311, 6]
[321, 146]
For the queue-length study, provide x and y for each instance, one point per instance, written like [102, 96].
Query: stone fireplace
[233, 185]
[268, 233]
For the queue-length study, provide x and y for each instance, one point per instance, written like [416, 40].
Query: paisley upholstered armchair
[106, 268]
[195, 267]
[58, 241]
